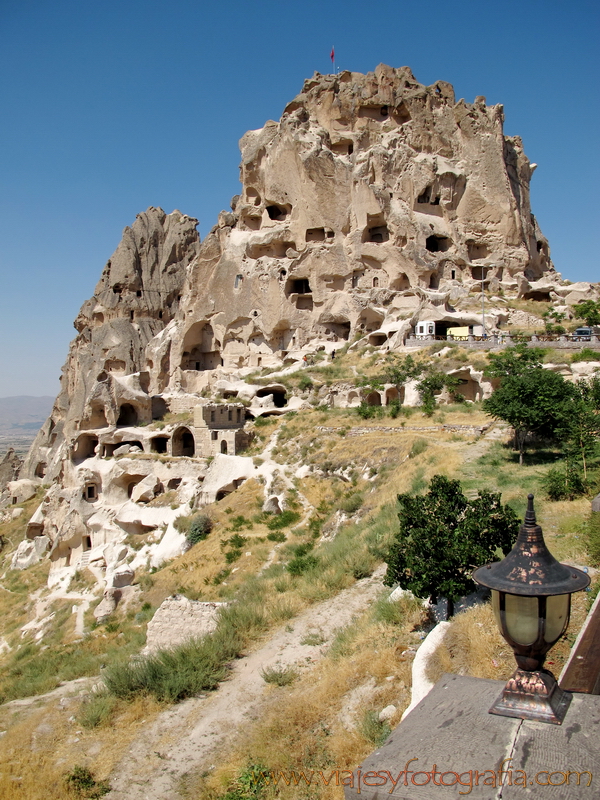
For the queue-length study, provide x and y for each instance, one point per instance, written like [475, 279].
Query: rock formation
[9, 468]
[373, 204]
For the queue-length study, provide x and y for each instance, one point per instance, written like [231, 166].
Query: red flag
[332, 55]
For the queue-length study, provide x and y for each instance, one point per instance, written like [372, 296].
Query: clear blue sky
[110, 107]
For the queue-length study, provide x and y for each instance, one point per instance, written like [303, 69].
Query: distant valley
[20, 419]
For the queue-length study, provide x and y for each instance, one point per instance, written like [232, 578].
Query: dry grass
[43, 744]
[318, 724]
[473, 646]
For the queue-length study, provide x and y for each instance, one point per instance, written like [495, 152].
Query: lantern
[531, 599]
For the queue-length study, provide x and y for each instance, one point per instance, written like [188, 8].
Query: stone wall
[178, 620]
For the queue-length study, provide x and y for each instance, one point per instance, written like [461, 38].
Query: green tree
[588, 310]
[580, 429]
[552, 320]
[444, 536]
[399, 370]
[513, 361]
[433, 383]
[535, 401]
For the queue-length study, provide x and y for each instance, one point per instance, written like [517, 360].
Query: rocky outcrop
[9, 468]
[177, 620]
[373, 205]
[105, 380]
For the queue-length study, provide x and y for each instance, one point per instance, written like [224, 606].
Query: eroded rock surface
[376, 206]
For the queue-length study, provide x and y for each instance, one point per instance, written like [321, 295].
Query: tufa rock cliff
[373, 204]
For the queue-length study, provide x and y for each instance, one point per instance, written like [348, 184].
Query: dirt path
[188, 736]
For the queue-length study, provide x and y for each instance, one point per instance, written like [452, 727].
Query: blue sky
[110, 107]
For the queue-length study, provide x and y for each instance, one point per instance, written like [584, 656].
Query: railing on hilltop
[498, 340]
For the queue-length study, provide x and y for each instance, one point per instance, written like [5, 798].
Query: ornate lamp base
[533, 695]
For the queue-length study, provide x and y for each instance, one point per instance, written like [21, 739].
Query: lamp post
[531, 599]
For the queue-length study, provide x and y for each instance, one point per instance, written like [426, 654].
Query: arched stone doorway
[183, 443]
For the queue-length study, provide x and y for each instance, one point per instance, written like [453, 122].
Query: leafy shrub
[283, 520]
[276, 536]
[564, 482]
[365, 411]
[233, 555]
[96, 710]
[419, 446]
[239, 522]
[261, 422]
[280, 676]
[81, 781]
[443, 536]
[394, 408]
[373, 730]
[305, 383]
[301, 564]
[352, 503]
[585, 354]
[200, 526]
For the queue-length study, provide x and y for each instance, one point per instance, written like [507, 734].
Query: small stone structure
[177, 620]
[219, 428]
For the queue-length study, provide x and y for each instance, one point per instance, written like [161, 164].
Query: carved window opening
[253, 196]
[40, 470]
[279, 395]
[477, 250]
[214, 435]
[304, 303]
[400, 283]
[138, 293]
[438, 244]
[158, 444]
[127, 416]
[85, 448]
[343, 148]
[91, 492]
[315, 234]
[378, 234]
[375, 283]
[224, 447]
[278, 213]
[300, 286]
[174, 483]
[239, 279]
[401, 114]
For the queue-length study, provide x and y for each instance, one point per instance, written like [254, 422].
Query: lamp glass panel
[557, 616]
[522, 618]
[496, 607]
